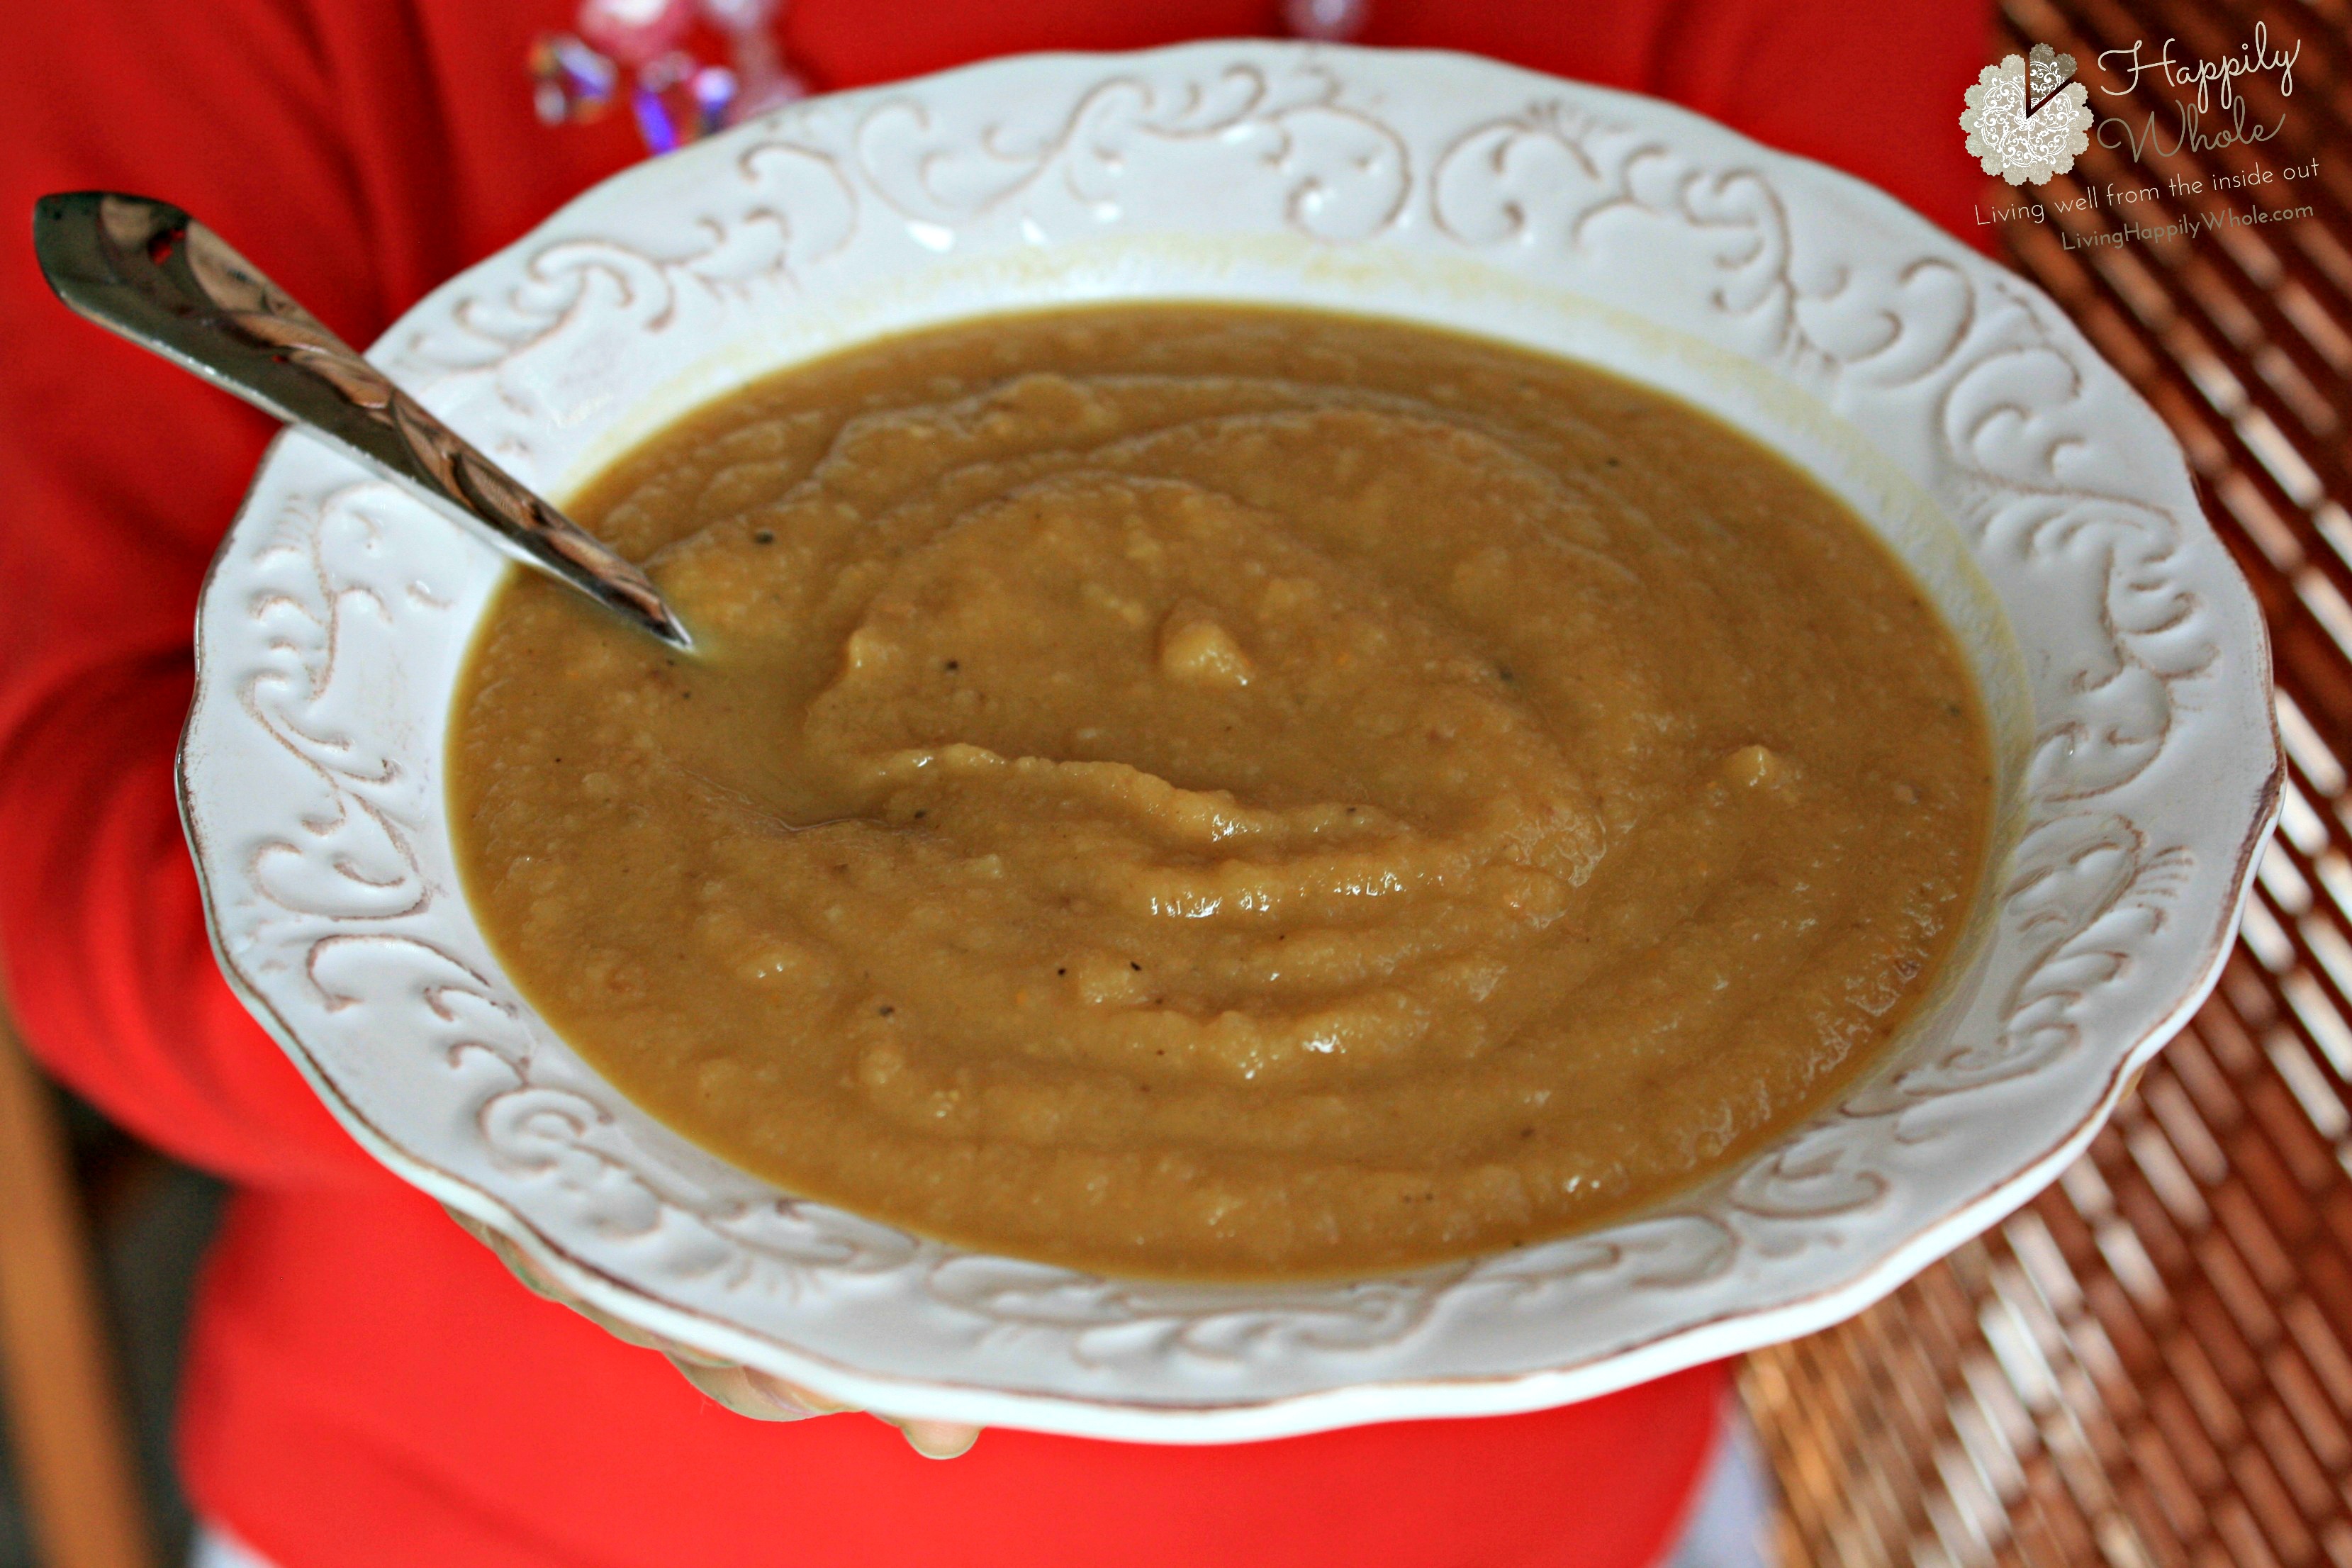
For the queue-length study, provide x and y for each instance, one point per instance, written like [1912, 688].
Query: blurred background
[2151, 1364]
[100, 1241]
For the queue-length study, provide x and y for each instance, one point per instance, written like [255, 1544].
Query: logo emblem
[2026, 117]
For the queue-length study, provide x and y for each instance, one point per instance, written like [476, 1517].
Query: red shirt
[366, 1384]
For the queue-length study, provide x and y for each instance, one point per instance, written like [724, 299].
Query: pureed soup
[1222, 792]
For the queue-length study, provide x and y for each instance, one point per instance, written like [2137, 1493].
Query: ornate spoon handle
[148, 271]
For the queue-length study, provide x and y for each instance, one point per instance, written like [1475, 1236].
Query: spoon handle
[152, 273]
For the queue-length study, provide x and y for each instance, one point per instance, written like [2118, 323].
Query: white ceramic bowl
[2122, 658]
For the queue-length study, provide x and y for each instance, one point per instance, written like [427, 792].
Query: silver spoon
[148, 271]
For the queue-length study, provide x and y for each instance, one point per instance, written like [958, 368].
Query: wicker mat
[2148, 1364]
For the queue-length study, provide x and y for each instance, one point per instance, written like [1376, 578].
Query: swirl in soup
[1226, 794]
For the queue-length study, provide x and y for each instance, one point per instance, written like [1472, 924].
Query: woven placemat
[2148, 1363]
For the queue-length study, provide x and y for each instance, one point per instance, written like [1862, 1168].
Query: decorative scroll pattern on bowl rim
[1952, 403]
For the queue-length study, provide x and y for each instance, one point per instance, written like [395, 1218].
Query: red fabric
[367, 1388]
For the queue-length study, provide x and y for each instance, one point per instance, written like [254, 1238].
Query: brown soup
[1221, 792]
